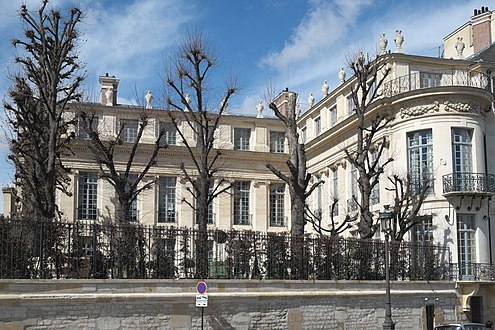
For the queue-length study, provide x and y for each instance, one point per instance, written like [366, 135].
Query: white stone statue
[399, 39]
[342, 75]
[383, 44]
[459, 46]
[324, 88]
[188, 101]
[109, 96]
[259, 109]
[311, 100]
[149, 99]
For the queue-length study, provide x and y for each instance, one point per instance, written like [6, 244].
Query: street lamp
[386, 217]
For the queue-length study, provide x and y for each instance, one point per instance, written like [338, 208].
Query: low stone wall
[233, 304]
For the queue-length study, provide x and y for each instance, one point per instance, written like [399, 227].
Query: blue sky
[283, 43]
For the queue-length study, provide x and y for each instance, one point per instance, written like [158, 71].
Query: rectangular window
[423, 231]
[241, 138]
[335, 191]
[134, 209]
[333, 115]
[87, 196]
[166, 200]
[430, 79]
[82, 133]
[420, 159]
[317, 126]
[351, 105]
[277, 205]
[277, 142]
[351, 202]
[303, 135]
[461, 158]
[129, 130]
[466, 245]
[375, 192]
[169, 136]
[241, 203]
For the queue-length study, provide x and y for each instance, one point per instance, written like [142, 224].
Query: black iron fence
[31, 249]
[468, 183]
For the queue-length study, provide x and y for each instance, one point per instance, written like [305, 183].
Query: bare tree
[47, 80]
[333, 228]
[298, 179]
[368, 154]
[408, 199]
[190, 108]
[125, 176]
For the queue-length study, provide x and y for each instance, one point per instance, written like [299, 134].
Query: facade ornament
[188, 101]
[342, 76]
[311, 100]
[109, 96]
[459, 46]
[383, 44]
[325, 88]
[259, 109]
[462, 107]
[419, 110]
[149, 99]
[399, 39]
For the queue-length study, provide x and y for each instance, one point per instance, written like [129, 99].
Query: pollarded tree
[368, 155]
[297, 178]
[126, 175]
[191, 108]
[48, 79]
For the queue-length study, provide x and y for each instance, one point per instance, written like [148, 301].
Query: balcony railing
[472, 272]
[418, 80]
[480, 183]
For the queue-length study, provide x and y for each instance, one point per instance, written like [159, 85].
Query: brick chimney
[482, 29]
[108, 90]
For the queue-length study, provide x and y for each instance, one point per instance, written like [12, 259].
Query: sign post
[201, 298]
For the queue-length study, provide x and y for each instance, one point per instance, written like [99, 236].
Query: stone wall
[233, 304]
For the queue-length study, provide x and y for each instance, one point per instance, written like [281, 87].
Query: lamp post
[386, 217]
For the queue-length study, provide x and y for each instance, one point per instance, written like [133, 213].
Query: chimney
[108, 90]
[482, 30]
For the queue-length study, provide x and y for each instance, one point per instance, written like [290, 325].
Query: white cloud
[129, 42]
[325, 23]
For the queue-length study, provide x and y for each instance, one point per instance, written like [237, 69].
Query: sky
[265, 43]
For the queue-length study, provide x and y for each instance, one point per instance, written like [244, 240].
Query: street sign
[201, 287]
[201, 300]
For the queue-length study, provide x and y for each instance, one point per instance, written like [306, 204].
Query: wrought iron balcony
[421, 80]
[468, 183]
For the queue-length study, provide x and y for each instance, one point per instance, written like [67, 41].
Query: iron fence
[30, 249]
[468, 183]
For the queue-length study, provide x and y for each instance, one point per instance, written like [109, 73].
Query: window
[129, 130]
[423, 231]
[169, 136]
[277, 205]
[429, 79]
[87, 196]
[241, 203]
[335, 191]
[375, 192]
[333, 115]
[277, 141]
[420, 159]
[466, 245]
[350, 105]
[317, 125]
[241, 138]
[134, 209]
[351, 202]
[461, 150]
[166, 200]
[81, 132]
[303, 135]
